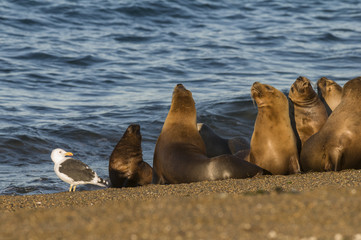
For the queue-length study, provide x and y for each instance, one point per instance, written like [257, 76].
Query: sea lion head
[352, 90]
[182, 101]
[266, 96]
[301, 91]
[326, 86]
[132, 134]
[128, 145]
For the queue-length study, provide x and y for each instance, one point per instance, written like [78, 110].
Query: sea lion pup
[216, 145]
[273, 143]
[330, 93]
[337, 145]
[309, 112]
[180, 153]
[126, 165]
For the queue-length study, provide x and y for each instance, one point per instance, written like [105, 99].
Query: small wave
[36, 56]
[22, 145]
[329, 37]
[152, 10]
[86, 61]
[133, 38]
[16, 190]
[40, 188]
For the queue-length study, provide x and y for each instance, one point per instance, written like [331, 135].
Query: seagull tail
[102, 182]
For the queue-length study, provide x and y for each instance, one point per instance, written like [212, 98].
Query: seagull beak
[68, 154]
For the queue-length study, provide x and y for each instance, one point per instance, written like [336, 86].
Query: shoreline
[303, 206]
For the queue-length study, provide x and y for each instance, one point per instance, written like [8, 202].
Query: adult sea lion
[126, 165]
[309, 112]
[273, 143]
[330, 93]
[216, 145]
[337, 145]
[180, 153]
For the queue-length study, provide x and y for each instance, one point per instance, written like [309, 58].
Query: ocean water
[75, 74]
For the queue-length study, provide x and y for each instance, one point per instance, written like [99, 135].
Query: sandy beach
[304, 206]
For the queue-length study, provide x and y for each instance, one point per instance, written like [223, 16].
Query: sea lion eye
[268, 88]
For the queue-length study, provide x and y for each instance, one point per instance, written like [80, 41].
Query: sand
[303, 206]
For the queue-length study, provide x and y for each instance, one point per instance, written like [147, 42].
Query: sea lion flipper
[243, 154]
[229, 166]
[145, 173]
[294, 165]
[237, 144]
[155, 178]
[335, 159]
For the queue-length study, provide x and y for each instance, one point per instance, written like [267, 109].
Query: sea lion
[126, 165]
[180, 153]
[273, 142]
[309, 112]
[330, 93]
[216, 145]
[337, 145]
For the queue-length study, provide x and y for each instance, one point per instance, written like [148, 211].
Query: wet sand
[303, 206]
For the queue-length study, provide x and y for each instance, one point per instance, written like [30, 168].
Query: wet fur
[126, 165]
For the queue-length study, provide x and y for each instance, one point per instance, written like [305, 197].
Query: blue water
[75, 74]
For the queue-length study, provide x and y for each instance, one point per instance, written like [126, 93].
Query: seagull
[73, 171]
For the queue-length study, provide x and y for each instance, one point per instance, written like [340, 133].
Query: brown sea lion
[126, 165]
[273, 143]
[309, 112]
[216, 145]
[180, 153]
[337, 145]
[329, 92]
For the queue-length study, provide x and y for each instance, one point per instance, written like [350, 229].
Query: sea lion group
[304, 132]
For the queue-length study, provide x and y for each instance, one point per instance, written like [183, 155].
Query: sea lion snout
[301, 78]
[322, 81]
[303, 81]
[180, 88]
[301, 84]
[256, 88]
[133, 129]
[256, 84]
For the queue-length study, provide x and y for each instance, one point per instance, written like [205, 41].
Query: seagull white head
[58, 155]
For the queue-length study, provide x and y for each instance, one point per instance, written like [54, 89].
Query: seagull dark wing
[77, 170]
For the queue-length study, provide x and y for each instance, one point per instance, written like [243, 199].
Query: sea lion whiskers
[254, 103]
[252, 97]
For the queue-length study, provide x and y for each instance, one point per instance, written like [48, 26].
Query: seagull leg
[71, 186]
[74, 188]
